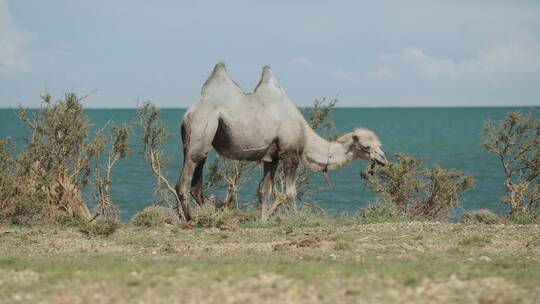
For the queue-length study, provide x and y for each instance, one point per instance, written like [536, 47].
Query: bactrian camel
[263, 126]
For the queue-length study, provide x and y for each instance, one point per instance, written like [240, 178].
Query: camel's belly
[243, 142]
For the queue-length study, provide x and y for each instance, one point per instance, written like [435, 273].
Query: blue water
[447, 136]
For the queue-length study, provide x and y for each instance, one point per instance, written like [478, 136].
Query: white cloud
[511, 57]
[341, 74]
[336, 73]
[381, 72]
[429, 66]
[415, 59]
[302, 60]
[11, 41]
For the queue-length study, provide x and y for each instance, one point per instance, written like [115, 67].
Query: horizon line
[336, 107]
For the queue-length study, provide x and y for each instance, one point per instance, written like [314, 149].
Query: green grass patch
[117, 269]
[475, 240]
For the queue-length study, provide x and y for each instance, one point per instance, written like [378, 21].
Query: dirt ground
[381, 263]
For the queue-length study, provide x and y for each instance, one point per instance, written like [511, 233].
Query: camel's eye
[365, 147]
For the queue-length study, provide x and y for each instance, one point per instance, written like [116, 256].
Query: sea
[450, 137]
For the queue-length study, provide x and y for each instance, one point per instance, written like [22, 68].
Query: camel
[264, 126]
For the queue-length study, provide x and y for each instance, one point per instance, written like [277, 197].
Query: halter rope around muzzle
[325, 170]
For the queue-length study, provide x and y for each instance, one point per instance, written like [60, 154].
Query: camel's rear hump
[268, 84]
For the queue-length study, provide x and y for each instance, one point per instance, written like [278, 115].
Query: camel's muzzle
[377, 157]
[381, 163]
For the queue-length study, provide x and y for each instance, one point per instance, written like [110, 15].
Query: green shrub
[100, 228]
[155, 216]
[523, 218]
[420, 192]
[482, 216]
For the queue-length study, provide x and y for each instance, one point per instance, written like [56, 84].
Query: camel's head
[366, 145]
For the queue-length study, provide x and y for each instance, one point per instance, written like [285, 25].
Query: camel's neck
[321, 155]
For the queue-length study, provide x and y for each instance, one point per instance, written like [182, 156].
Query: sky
[364, 53]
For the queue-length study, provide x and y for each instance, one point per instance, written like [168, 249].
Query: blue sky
[369, 54]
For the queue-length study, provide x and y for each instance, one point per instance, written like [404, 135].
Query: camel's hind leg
[197, 136]
[266, 186]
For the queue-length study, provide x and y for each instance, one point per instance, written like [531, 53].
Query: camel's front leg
[266, 186]
[290, 164]
[192, 174]
[197, 182]
[197, 135]
[182, 185]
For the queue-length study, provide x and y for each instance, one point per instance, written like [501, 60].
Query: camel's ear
[355, 138]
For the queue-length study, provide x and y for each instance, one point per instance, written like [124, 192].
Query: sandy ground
[381, 263]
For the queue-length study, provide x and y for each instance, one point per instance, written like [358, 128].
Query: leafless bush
[154, 136]
[228, 174]
[516, 142]
[118, 139]
[424, 192]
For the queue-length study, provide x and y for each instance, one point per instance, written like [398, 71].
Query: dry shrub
[100, 227]
[307, 215]
[209, 216]
[420, 192]
[482, 216]
[228, 174]
[49, 176]
[7, 174]
[118, 139]
[56, 159]
[155, 216]
[154, 137]
[380, 212]
[516, 142]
